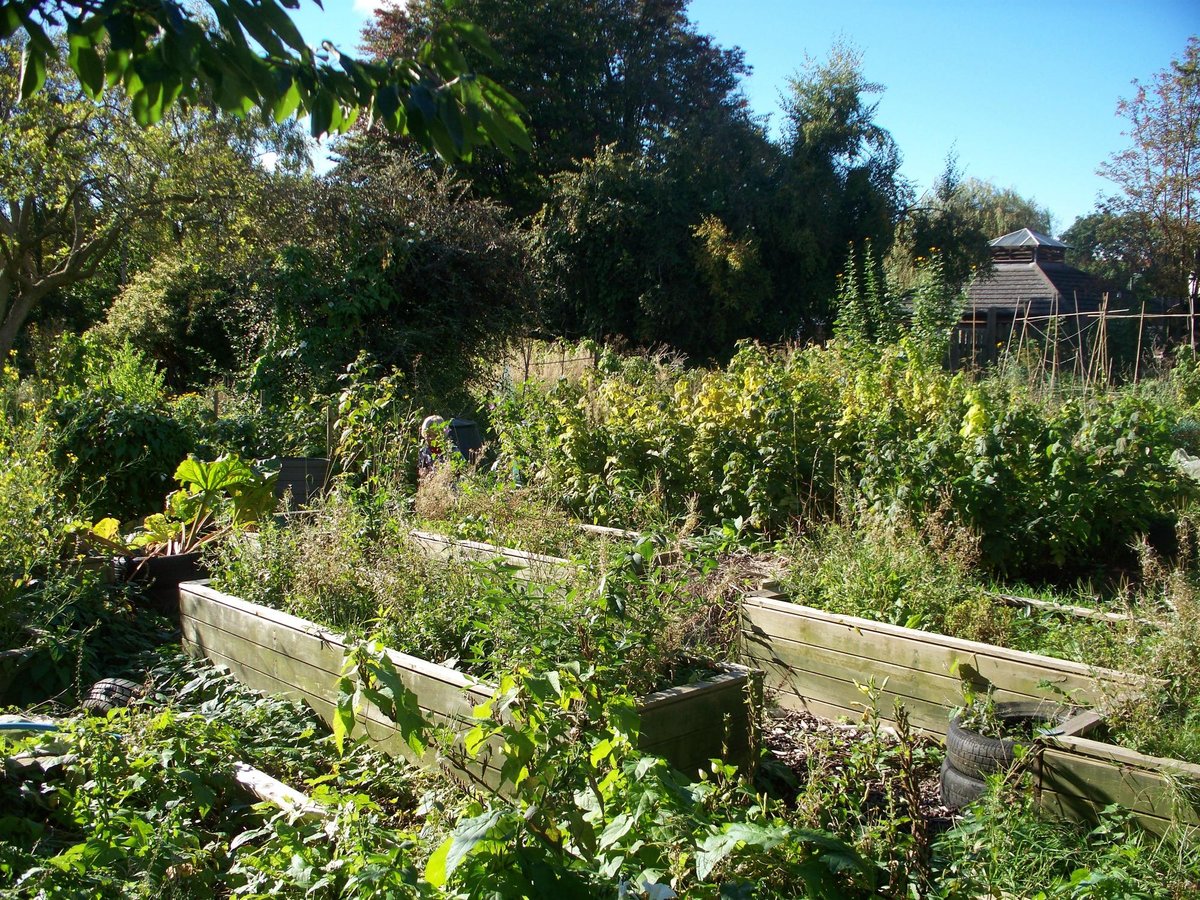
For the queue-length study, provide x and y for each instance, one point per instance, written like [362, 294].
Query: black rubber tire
[110, 693]
[975, 756]
[957, 789]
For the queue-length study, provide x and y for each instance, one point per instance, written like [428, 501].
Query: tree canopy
[625, 74]
[955, 220]
[250, 54]
[1159, 173]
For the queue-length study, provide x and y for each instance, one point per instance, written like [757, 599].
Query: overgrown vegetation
[638, 625]
[157, 324]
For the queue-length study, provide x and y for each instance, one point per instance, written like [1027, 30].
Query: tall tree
[1117, 248]
[63, 200]
[625, 74]
[82, 188]
[1159, 173]
[955, 220]
[840, 185]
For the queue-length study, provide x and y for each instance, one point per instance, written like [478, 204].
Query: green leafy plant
[215, 499]
[564, 806]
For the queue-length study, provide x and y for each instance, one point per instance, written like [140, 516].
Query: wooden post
[1137, 359]
[989, 335]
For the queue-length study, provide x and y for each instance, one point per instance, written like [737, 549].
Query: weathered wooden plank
[717, 717]
[834, 678]
[1125, 757]
[1100, 783]
[296, 671]
[779, 609]
[1063, 609]
[606, 531]
[787, 655]
[272, 790]
[1079, 725]
[376, 728]
[1080, 809]
[320, 678]
[300, 639]
[765, 626]
[529, 565]
[814, 690]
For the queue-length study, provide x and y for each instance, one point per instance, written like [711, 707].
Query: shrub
[1050, 485]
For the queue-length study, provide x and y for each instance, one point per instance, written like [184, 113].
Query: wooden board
[810, 655]
[1085, 774]
[532, 566]
[275, 652]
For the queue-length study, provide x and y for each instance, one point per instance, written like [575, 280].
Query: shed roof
[1042, 288]
[1026, 237]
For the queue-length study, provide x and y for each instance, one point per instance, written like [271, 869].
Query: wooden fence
[530, 566]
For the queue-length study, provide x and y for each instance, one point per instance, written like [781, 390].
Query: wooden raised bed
[275, 652]
[814, 661]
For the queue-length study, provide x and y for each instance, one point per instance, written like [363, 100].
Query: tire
[957, 789]
[975, 756]
[110, 693]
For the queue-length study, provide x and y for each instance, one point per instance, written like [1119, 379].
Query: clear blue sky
[1024, 92]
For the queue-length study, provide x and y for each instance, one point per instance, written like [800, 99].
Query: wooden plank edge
[773, 602]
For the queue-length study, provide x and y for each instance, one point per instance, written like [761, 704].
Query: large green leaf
[466, 837]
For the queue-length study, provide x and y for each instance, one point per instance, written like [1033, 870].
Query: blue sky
[1023, 92]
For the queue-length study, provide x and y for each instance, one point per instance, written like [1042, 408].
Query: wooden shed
[1029, 284]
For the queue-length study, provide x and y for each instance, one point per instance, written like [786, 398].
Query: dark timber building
[1028, 288]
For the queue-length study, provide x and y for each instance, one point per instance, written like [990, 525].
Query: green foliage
[175, 311]
[353, 569]
[1045, 483]
[1159, 192]
[887, 571]
[146, 802]
[377, 430]
[391, 261]
[251, 55]
[590, 76]
[118, 456]
[216, 499]
[580, 810]
[955, 220]
[868, 312]
[1002, 847]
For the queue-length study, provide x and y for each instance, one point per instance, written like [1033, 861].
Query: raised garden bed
[276, 652]
[815, 661]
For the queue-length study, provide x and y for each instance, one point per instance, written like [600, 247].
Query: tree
[1116, 247]
[163, 53]
[63, 202]
[83, 190]
[839, 185]
[662, 249]
[388, 258]
[713, 233]
[625, 74]
[955, 220]
[1159, 174]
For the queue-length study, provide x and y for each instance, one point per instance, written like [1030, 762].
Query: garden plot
[277, 652]
[818, 662]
